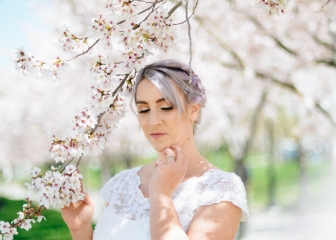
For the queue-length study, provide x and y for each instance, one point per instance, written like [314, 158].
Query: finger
[167, 155]
[159, 162]
[170, 157]
[88, 200]
[180, 157]
[81, 183]
[168, 152]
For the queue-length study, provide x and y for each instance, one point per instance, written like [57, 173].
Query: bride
[180, 195]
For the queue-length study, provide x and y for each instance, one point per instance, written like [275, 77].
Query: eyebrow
[157, 101]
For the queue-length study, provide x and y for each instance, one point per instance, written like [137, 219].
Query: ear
[194, 111]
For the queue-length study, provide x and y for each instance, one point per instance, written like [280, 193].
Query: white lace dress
[127, 215]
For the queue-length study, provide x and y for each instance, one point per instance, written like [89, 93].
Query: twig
[120, 84]
[193, 12]
[98, 122]
[79, 160]
[190, 41]
[173, 9]
[322, 7]
[86, 50]
[153, 3]
[67, 164]
[153, 10]
[118, 23]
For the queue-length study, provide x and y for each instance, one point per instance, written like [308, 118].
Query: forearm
[164, 222]
[82, 234]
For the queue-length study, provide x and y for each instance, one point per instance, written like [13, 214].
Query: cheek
[142, 122]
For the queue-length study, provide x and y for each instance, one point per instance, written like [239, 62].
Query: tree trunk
[241, 171]
[333, 159]
[107, 167]
[303, 178]
[271, 167]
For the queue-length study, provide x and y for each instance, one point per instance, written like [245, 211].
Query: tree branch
[330, 63]
[322, 7]
[86, 50]
[153, 3]
[193, 12]
[277, 40]
[329, 46]
[292, 88]
[79, 160]
[64, 166]
[219, 40]
[173, 9]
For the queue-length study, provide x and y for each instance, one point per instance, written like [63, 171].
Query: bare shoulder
[215, 221]
[222, 205]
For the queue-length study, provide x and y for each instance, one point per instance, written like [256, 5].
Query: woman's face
[161, 122]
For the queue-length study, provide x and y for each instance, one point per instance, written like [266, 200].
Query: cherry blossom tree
[267, 69]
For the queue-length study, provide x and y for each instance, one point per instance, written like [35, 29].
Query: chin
[160, 147]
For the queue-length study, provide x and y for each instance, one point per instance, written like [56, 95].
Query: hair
[166, 73]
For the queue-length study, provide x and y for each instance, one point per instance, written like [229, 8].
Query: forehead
[147, 90]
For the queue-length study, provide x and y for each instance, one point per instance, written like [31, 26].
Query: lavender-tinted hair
[160, 73]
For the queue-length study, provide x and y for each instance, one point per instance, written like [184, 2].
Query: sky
[15, 16]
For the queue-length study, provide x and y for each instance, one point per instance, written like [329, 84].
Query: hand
[79, 215]
[168, 173]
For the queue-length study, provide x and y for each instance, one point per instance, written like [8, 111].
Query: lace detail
[222, 186]
[123, 193]
[128, 210]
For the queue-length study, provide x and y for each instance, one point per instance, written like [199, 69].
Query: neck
[196, 162]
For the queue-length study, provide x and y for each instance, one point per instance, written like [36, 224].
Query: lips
[157, 135]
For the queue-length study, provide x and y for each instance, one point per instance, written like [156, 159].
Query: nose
[154, 118]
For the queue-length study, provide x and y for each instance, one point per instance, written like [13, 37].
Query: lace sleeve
[223, 186]
[111, 186]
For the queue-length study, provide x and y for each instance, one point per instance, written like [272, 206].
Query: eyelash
[167, 108]
[164, 109]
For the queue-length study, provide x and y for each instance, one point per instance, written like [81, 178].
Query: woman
[179, 196]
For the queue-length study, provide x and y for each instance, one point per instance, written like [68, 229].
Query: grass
[52, 229]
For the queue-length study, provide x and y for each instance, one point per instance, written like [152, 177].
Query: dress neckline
[138, 180]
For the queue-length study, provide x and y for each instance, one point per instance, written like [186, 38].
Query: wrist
[159, 194]
[85, 232]
[84, 228]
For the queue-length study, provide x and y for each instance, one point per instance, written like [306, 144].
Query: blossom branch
[79, 160]
[86, 50]
[90, 130]
[67, 164]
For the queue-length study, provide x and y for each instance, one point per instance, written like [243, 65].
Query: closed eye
[167, 108]
[143, 111]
